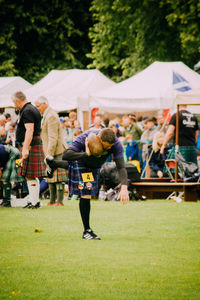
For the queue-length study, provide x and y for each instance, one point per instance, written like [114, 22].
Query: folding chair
[171, 164]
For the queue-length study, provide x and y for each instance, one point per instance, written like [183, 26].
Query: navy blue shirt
[4, 156]
[92, 161]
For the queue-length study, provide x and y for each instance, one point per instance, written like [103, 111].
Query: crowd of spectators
[142, 137]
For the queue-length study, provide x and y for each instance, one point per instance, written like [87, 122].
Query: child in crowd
[157, 160]
[132, 150]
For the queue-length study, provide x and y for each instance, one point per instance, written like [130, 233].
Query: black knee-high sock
[84, 206]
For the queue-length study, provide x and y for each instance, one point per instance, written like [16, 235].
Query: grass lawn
[149, 250]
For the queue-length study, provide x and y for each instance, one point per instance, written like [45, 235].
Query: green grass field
[149, 250]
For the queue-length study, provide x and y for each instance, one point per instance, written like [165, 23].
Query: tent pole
[177, 142]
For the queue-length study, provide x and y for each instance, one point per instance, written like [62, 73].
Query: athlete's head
[94, 144]
[107, 136]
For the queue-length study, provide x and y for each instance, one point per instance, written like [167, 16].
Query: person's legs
[84, 207]
[60, 192]
[34, 190]
[52, 190]
[7, 188]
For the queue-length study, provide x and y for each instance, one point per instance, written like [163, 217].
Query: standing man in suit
[53, 145]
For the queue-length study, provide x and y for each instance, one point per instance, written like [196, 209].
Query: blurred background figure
[11, 137]
[147, 139]
[161, 124]
[8, 121]
[112, 124]
[98, 123]
[2, 121]
[157, 160]
[132, 150]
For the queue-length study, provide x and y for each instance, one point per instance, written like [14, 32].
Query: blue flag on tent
[180, 83]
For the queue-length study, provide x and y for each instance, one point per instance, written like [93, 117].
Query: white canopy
[68, 89]
[190, 98]
[8, 86]
[153, 88]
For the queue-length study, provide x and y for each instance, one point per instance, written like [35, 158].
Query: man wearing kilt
[8, 172]
[188, 135]
[28, 136]
[53, 145]
[84, 166]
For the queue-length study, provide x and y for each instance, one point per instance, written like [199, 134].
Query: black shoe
[37, 205]
[5, 204]
[90, 235]
[49, 162]
[28, 205]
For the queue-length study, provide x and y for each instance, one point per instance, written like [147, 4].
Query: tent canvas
[190, 98]
[68, 89]
[8, 86]
[153, 88]
[50, 80]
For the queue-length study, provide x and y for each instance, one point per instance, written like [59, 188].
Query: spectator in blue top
[132, 150]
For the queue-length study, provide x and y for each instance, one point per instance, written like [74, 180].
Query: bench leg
[190, 193]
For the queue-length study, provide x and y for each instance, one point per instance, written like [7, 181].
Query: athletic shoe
[50, 204]
[49, 164]
[37, 205]
[90, 235]
[28, 205]
[58, 204]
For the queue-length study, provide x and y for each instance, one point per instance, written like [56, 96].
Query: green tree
[185, 16]
[128, 35]
[44, 35]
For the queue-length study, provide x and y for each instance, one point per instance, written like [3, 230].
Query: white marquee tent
[69, 89]
[8, 86]
[154, 88]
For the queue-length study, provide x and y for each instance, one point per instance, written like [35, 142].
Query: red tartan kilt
[34, 165]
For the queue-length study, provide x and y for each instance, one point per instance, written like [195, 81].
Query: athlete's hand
[123, 195]
[87, 150]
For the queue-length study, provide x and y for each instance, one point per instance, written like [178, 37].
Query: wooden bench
[147, 188]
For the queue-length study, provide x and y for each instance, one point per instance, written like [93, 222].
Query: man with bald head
[28, 136]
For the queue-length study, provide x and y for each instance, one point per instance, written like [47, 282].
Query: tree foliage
[118, 37]
[128, 35]
[37, 36]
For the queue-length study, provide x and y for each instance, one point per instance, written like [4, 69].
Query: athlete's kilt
[34, 165]
[75, 181]
[59, 175]
[189, 153]
[10, 171]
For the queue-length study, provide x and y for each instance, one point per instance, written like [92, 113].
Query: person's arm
[168, 136]
[123, 195]
[27, 140]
